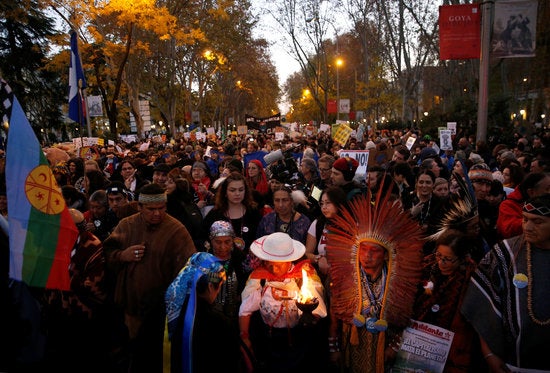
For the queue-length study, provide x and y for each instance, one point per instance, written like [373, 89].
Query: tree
[25, 31]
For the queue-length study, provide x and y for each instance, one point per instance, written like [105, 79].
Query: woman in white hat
[278, 339]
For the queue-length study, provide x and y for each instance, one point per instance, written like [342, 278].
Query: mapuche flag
[77, 81]
[42, 232]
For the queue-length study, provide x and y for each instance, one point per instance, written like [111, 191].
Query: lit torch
[306, 302]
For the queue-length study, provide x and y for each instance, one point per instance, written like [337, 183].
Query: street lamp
[339, 63]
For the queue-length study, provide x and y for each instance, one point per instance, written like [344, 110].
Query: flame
[305, 294]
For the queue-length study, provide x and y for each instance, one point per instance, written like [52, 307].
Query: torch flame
[305, 294]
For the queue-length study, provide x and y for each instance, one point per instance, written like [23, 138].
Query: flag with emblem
[42, 232]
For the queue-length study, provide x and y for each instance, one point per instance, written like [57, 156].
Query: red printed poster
[459, 32]
[331, 107]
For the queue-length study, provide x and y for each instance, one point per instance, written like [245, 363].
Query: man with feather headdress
[375, 253]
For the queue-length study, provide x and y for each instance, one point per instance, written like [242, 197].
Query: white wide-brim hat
[278, 247]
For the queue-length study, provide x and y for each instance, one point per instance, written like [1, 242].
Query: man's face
[116, 201]
[372, 178]
[536, 230]
[153, 213]
[160, 178]
[398, 157]
[324, 170]
[337, 177]
[371, 256]
[535, 166]
[481, 188]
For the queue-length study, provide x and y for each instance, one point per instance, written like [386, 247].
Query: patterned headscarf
[199, 265]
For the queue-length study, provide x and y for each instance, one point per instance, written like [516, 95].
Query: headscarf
[185, 284]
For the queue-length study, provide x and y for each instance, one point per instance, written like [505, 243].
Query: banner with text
[459, 32]
[263, 124]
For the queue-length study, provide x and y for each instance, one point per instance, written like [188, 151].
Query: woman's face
[424, 185]
[458, 168]
[97, 209]
[127, 170]
[328, 209]
[282, 202]
[446, 259]
[222, 247]
[197, 173]
[506, 176]
[170, 185]
[72, 167]
[235, 191]
[442, 190]
[253, 169]
[274, 184]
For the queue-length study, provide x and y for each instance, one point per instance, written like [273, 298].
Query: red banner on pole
[331, 107]
[459, 32]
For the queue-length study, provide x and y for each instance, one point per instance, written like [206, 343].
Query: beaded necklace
[375, 300]
[530, 291]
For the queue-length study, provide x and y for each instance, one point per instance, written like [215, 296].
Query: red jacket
[510, 216]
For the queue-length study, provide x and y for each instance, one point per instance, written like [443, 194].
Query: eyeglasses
[445, 259]
[325, 169]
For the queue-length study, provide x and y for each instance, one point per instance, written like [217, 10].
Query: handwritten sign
[362, 156]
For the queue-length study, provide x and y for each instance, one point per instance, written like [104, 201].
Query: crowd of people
[256, 255]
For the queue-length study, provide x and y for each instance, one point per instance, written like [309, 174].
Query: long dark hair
[337, 196]
[222, 203]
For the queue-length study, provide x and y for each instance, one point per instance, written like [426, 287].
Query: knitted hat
[480, 173]
[370, 145]
[347, 166]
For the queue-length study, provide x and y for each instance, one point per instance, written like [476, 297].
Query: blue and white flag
[76, 74]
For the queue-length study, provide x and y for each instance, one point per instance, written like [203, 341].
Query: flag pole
[85, 103]
[483, 98]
